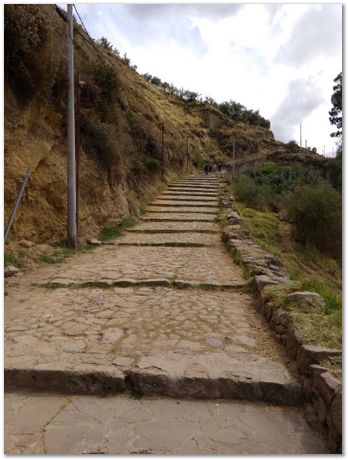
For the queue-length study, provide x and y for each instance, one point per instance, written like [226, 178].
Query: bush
[252, 194]
[292, 146]
[101, 140]
[317, 216]
[26, 39]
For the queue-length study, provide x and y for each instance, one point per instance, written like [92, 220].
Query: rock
[111, 335]
[94, 242]
[73, 328]
[306, 299]
[214, 342]
[310, 354]
[26, 244]
[74, 347]
[316, 369]
[313, 419]
[320, 409]
[327, 386]
[335, 413]
[264, 280]
[234, 218]
[10, 270]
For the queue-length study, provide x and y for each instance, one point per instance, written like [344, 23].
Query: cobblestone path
[160, 311]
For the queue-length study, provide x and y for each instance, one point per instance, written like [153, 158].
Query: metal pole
[15, 207]
[162, 127]
[306, 143]
[77, 147]
[300, 134]
[71, 172]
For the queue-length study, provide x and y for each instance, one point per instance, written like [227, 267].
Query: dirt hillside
[121, 118]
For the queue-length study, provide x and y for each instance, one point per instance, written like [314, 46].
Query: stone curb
[323, 391]
[151, 383]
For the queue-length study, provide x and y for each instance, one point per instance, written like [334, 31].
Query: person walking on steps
[206, 169]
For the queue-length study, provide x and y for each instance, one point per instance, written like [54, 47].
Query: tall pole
[300, 134]
[233, 158]
[162, 127]
[187, 153]
[72, 234]
[77, 148]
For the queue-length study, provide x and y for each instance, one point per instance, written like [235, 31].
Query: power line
[85, 28]
[100, 55]
[90, 41]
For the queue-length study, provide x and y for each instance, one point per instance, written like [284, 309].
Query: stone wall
[323, 392]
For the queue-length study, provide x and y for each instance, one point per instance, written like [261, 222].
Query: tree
[336, 111]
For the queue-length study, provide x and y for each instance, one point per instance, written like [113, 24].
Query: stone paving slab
[170, 238]
[166, 341]
[122, 425]
[176, 227]
[179, 216]
[183, 209]
[208, 265]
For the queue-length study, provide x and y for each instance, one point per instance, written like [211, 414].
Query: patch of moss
[114, 231]
[11, 259]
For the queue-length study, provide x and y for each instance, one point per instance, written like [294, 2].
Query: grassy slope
[313, 271]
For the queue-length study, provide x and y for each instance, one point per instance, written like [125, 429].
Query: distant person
[210, 168]
[219, 167]
[206, 169]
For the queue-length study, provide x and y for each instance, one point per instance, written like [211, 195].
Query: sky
[280, 59]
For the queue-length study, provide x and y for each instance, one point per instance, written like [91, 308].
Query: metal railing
[18, 200]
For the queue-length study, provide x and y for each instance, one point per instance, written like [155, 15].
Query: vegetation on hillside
[294, 212]
[234, 110]
[309, 197]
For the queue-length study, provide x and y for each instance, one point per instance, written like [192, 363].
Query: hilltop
[121, 118]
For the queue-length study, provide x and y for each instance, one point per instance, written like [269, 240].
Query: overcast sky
[280, 59]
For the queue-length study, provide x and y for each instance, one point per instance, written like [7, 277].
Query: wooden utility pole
[187, 153]
[71, 170]
[233, 158]
[77, 152]
[162, 127]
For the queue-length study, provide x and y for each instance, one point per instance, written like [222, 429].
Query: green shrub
[317, 216]
[246, 189]
[252, 194]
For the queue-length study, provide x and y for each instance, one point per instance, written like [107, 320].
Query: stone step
[202, 239]
[184, 209]
[70, 425]
[187, 197]
[190, 343]
[185, 202]
[179, 217]
[164, 227]
[193, 189]
[152, 382]
[203, 265]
